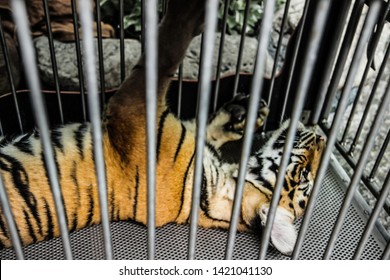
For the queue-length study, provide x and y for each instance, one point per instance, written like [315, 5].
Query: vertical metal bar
[294, 59]
[386, 253]
[204, 101]
[1, 129]
[95, 118]
[220, 54]
[122, 40]
[28, 54]
[374, 215]
[255, 97]
[53, 59]
[325, 79]
[370, 99]
[358, 171]
[308, 66]
[180, 91]
[79, 59]
[151, 105]
[366, 70]
[332, 137]
[342, 58]
[241, 48]
[278, 48]
[143, 24]
[100, 53]
[10, 76]
[5, 205]
[380, 156]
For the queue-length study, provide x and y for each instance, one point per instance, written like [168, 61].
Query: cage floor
[130, 239]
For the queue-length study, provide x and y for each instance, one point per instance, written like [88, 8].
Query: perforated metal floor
[130, 239]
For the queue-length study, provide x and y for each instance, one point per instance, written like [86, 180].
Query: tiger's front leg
[228, 123]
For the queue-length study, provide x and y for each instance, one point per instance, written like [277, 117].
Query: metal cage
[319, 84]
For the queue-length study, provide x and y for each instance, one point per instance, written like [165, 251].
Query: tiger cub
[23, 169]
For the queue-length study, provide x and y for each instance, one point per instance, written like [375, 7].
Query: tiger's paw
[228, 123]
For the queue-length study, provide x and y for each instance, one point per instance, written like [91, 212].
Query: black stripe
[182, 136]
[295, 170]
[306, 137]
[204, 199]
[79, 136]
[184, 185]
[20, 180]
[136, 193]
[24, 145]
[91, 206]
[3, 228]
[50, 225]
[74, 222]
[29, 226]
[274, 167]
[213, 151]
[112, 201]
[302, 204]
[291, 194]
[285, 185]
[46, 169]
[56, 139]
[160, 130]
[73, 176]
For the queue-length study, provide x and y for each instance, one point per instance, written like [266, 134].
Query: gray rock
[229, 58]
[68, 69]
[67, 62]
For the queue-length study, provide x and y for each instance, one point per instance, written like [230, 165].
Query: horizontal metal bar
[204, 101]
[307, 71]
[374, 216]
[10, 75]
[28, 55]
[151, 105]
[255, 97]
[86, 19]
[369, 24]
[332, 136]
[9, 217]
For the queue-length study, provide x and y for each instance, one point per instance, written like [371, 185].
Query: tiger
[23, 170]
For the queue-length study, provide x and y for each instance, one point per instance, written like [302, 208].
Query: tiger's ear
[283, 234]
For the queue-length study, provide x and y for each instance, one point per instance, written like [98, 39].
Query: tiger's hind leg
[228, 123]
[125, 113]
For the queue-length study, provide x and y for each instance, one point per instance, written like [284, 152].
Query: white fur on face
[283, 234]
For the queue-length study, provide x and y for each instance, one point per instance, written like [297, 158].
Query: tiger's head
[298, 180]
